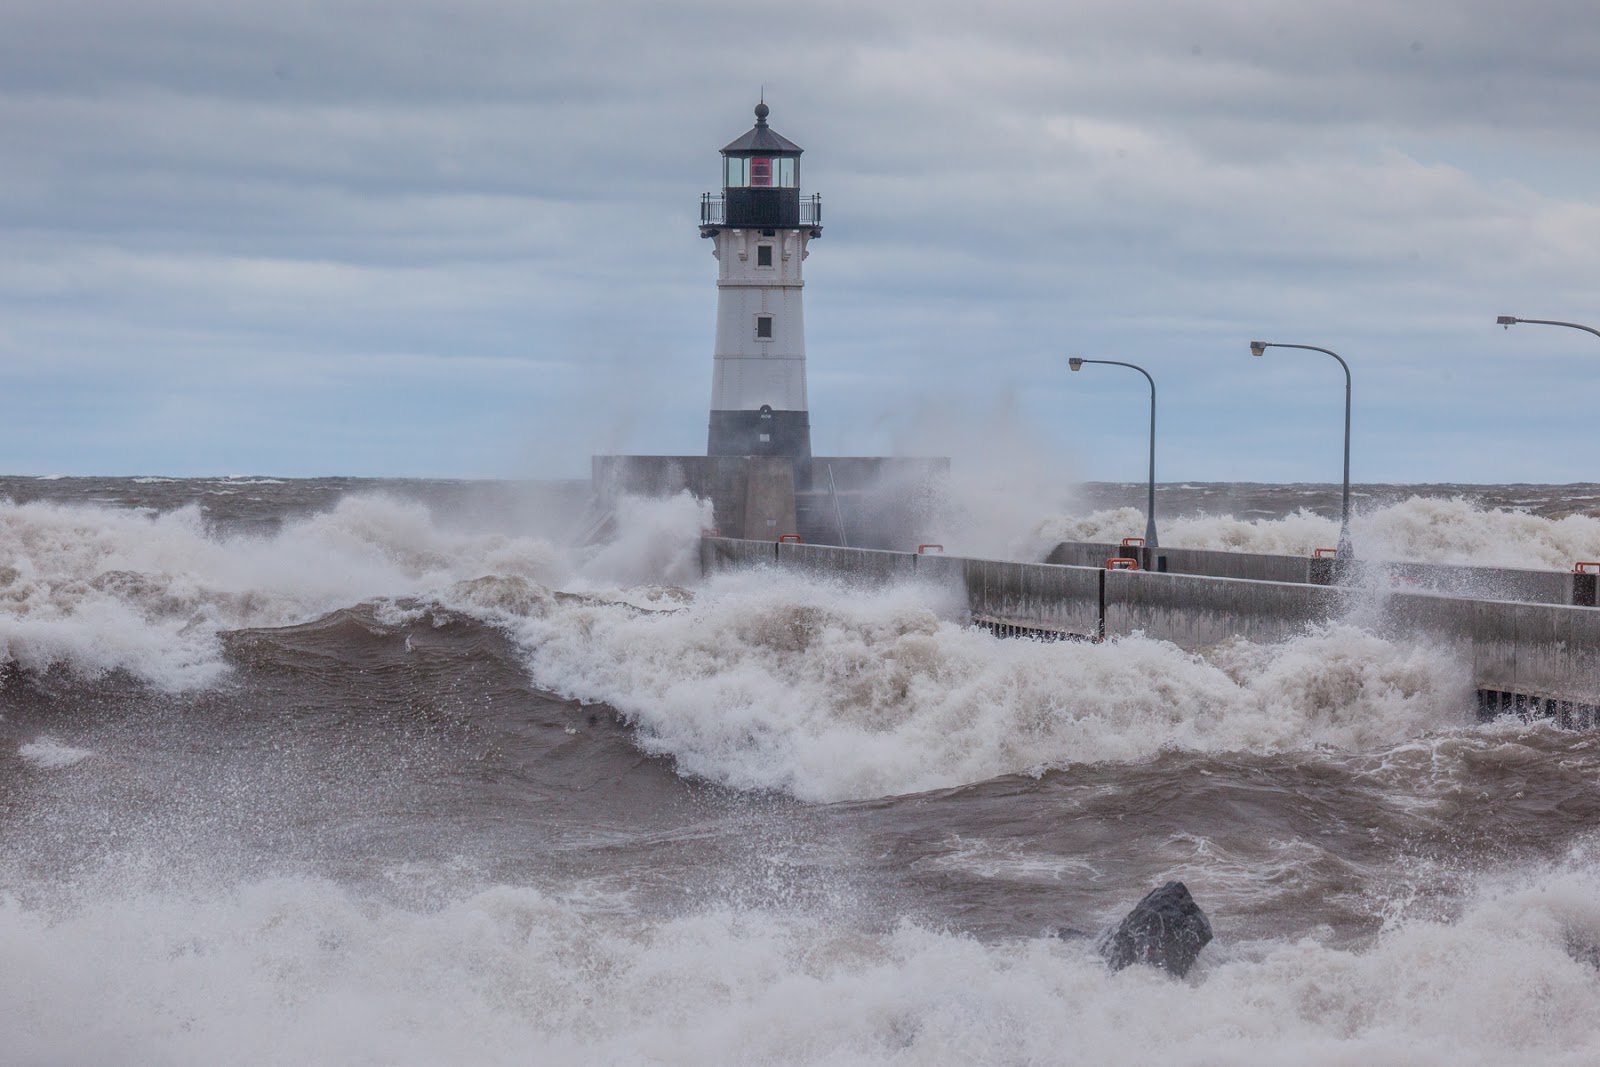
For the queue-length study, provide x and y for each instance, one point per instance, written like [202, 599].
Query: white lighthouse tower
[759, 228]
[758, 471]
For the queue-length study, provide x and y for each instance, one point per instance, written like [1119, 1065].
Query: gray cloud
[448, 207]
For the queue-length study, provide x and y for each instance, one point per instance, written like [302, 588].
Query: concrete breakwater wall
[1478, 583]
[1534, 652]
[1195, 611]
[1190, 610]
[1546, 651]
[1062, 598]
[1211, 563]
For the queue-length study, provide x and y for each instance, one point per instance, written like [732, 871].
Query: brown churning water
[346, 771]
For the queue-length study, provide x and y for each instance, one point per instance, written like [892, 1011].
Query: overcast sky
[460, 239]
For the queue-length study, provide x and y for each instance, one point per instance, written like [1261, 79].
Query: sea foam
[301, 970]
[49, 754]
[764, 681]
[771, 681]
[1420, 529]
[92, 590]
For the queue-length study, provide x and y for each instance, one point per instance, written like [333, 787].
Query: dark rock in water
[1166, 929]
[1583, 949]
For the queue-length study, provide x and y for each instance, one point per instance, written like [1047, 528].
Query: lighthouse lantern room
[759, 228]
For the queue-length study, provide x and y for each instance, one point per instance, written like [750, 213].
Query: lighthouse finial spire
[762, 110]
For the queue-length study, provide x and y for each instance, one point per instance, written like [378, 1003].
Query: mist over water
[391, 772]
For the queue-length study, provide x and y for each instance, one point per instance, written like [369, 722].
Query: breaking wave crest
[305, 970]
[90, 590]
[1421, 529]
[769, 682]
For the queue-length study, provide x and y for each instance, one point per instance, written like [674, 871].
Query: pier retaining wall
[1195, 611]
[1547, 651]
[1478, 583]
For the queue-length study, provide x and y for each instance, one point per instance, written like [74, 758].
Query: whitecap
[769, 681]
[1446, 530]
[49, 754]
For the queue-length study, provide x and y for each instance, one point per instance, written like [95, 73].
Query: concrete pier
[1479, 583]
[1530, 658]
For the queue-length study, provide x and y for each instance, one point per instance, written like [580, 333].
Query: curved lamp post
[1150, 503]
[1509, 321]
[1345, 550]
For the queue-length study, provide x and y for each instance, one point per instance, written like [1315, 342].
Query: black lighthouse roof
[762, 138]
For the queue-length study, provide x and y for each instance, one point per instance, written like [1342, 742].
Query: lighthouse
[758, 472]
[759, 229]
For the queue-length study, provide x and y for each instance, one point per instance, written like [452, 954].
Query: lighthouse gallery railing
[714, 210]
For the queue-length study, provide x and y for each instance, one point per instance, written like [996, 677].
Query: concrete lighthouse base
[760, 433]
[857, 501]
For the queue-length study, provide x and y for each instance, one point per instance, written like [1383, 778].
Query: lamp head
[1505, 320]
[1075, 363]
[1258, 348]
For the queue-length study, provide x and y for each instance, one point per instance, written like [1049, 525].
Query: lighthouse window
[763, 327]
[761, 170]
[786, 172]
[735, 171]
[763, 255]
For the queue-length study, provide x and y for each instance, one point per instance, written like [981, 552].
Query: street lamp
[1077, 363]
[1345, 550]
[1510, 320]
